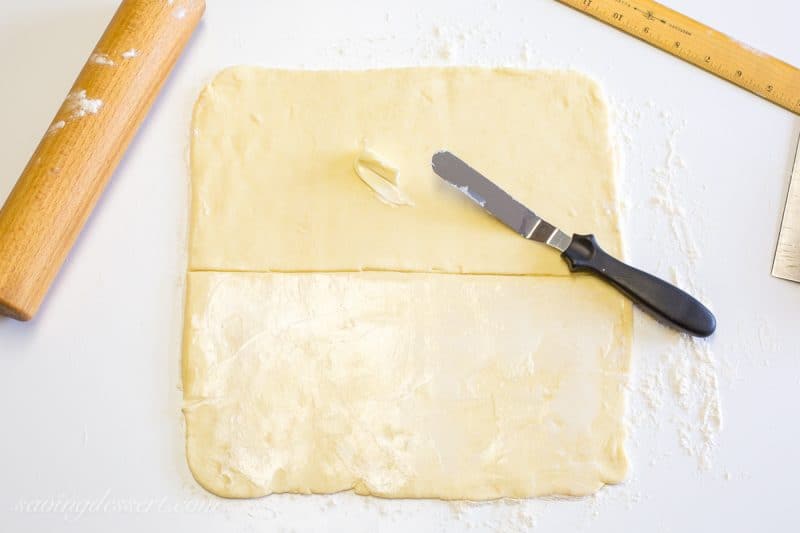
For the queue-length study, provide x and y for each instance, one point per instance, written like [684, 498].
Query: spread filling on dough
[404, 385]
[381, 178]
[472, 365]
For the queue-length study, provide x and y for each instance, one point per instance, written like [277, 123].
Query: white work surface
[89, 391]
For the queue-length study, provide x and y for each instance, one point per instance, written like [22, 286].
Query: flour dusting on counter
[678, 388]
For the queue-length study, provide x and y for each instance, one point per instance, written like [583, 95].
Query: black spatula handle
[661, 299]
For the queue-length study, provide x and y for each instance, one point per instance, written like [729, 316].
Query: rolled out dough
[472, 366]
[405, 385]
[274, 187]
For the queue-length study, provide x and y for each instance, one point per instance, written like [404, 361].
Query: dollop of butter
[381, 177]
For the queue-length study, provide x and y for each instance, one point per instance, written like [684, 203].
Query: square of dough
[473, 366]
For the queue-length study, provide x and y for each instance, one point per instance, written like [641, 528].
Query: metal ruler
[700, 45]
[787, 254]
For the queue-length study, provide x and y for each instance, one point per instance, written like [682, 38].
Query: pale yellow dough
[441, 376]
[404, 385]
[274, 187]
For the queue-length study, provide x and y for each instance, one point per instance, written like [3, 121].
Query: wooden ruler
[700, 45]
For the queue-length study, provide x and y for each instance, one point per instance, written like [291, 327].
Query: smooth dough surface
[404, 385]
[442, 375]
[274, 187]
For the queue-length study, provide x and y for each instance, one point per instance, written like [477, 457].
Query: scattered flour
[130, 54]
[55, 126]
[101, 59]
[500, 516]
[527, 53]
[678, 388]
[78, 105]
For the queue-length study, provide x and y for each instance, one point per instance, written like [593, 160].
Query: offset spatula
[664, 301]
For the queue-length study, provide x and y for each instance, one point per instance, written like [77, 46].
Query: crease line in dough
[387, 270]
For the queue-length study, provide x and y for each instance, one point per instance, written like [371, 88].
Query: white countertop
[93, 435]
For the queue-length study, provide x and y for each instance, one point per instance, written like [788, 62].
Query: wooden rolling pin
[83, 145]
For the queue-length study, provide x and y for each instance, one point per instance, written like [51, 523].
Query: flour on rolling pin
[55, 126]
[179, 12]
[77, 105]
[85, 141]
[102, 59]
